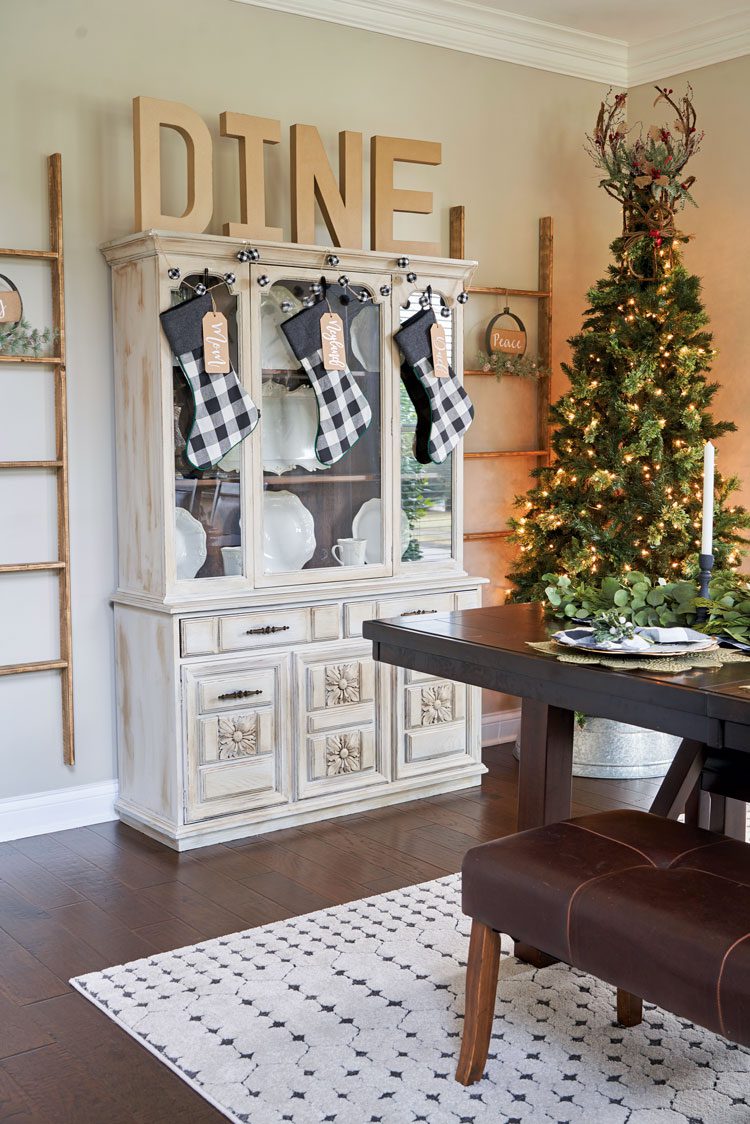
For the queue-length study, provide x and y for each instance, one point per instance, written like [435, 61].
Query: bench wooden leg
[629, 1008]
[481, 991]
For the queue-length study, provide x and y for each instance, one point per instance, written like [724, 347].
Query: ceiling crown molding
[717, 40]
[461, 25]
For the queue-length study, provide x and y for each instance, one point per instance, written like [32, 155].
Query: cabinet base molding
[206, 833]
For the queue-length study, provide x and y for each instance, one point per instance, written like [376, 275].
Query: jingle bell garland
[624, 490]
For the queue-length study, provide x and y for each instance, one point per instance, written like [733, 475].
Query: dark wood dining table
[709, 708]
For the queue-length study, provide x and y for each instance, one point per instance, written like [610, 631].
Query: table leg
[544, 782]
[546, 764]
[682, 776]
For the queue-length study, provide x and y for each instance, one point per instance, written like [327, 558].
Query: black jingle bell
[229, 278]
[445, 312]
[243, 256]
[424, 301]
[332, 260]
[411, 278]
[343, 281]
[462, 297]
[402, 263]
[200, 289]
[385, 290]
[264, 280]
[253, 254]
[173, 274]
[363, 296]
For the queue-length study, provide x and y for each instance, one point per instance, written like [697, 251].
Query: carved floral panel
[343, 753]
[342, 684]
[436, 704]
[238, 736]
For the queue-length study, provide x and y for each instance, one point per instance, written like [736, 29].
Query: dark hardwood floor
[80, 901]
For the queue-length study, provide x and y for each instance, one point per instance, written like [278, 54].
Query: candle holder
[706, 563]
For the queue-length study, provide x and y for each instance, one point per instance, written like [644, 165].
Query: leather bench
[658, 908]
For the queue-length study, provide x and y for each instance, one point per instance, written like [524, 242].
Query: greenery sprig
[646, 603]
[501, 364]
[22, 339]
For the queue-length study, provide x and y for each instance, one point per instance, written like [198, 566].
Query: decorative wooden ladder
[59, 465]
[544, 345]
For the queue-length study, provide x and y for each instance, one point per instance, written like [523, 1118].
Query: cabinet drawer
[264, 628]
[357, 612]
[230, 691]
[237, 747]
[431, 704]
[339, 760]
[410, 606]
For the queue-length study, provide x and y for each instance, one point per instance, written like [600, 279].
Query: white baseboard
[501, 726]
[42, 812]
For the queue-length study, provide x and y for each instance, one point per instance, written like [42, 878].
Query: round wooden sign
[11, 305]
[499, 337]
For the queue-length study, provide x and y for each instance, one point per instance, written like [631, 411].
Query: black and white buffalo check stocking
[224, 412]
[444, 409]
[343, 411]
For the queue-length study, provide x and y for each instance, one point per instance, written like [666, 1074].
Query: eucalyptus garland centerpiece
[623, 494]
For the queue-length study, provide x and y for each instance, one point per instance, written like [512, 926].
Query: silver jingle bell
[286, 306]
[445, 311]
[264, 279]
[402, 263]
[243, 256]
[332, 260]
[385, 290]
[363, 296]
[411, 278]
[343, 281]
[229, 278]
[316, 288]
[462, 297]
[200, 289]
[173, 274]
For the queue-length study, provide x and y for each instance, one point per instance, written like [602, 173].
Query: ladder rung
[50, 360]
[40, 665]
[482, 536]
[24, 567]
[505, 453]
[501, 291]
[49, 255]
[31, 464]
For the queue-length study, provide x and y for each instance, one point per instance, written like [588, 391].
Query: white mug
[351, 552]
[231, 556]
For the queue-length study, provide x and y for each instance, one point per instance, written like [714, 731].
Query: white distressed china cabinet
[247, 698]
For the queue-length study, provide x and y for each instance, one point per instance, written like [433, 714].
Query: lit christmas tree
[624, 489]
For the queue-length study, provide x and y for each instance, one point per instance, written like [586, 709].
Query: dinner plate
[288, 532]
[367, 524]
[653, 650]
[189, 544]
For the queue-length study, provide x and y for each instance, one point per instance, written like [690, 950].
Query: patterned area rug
[353, 1015]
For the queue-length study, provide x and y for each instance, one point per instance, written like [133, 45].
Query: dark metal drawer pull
[267, 629]
[240, 694]
[418, 612]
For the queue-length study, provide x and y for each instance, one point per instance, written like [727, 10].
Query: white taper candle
[707, 529]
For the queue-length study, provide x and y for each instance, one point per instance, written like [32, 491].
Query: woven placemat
[716, 658]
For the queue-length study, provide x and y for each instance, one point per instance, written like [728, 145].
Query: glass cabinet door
[208, 540]
[426, 489]
[316, 515]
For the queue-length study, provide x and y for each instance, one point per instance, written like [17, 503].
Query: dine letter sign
[312, 179]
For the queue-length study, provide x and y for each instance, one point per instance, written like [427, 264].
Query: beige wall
[512, 151]
[720, 250]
